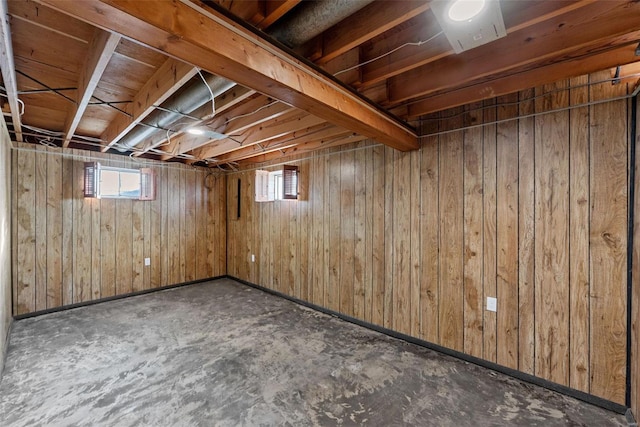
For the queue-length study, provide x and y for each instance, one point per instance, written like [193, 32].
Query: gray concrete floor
[221, 353]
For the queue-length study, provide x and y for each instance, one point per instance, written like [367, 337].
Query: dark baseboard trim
[580, 395]
[113, 298]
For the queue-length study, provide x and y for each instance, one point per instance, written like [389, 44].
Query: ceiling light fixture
[195, 131]
[465, 10]
[469, 23]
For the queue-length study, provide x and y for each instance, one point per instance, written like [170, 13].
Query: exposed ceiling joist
[549, 41]
[101, 48]
[512, 83]
[281, 126]
[197, 35]
[274, 10]
[169, 77]
[366, 24]
[8, 69]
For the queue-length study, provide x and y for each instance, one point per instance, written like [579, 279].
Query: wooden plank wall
[635, 295]
[68, 249]
[5, 240]
[532, 211]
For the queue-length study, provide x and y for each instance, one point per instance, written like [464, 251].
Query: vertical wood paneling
[190, 256]
[579, 236]
[89, 249]
[378, 236]
[41, 231]
[635, 295]
[368, 236]
[389, 159]
[25, 296]
[415, 249]
[489, 230]
[137, 253]
[347, 231]
[429, 232]
[401, 284]
[108, 228]
[68, 185]
[473, 239]
[332, 297]
[551, 240]
[451, 242]
[360, 290]
[507, 232]
[302, 279]
[55, 219]
[526, 232]
[608, 241]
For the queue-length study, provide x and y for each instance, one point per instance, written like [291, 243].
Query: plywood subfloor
[221, 353]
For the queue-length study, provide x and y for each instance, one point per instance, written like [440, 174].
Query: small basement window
[118, 183]
[277, 185]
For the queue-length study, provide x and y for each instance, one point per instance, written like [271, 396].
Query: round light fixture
[195, 131]
[464, 10]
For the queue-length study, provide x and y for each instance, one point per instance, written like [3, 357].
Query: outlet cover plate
[492, 304]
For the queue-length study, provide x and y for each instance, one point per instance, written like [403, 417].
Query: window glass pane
[129, 184]
[109, 183]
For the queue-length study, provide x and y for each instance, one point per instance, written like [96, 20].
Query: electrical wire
[251, 113]
[213, 98]
[420, 43]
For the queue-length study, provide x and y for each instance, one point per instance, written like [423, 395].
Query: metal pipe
[312, 18]
[191, 97]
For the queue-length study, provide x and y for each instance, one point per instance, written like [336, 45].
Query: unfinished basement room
[319, 213]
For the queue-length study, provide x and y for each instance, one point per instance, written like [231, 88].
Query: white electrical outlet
[253, 258]
[492, 304]
[147, 262]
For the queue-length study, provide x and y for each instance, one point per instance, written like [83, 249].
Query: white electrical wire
[213, 98]
[420, 43]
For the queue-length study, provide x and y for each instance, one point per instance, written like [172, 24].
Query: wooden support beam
[8, 69]
[514, 82]
[274, 10]
[277, 128]
[324, 133]
[209, 40]
[169, 77]
[517, 16]
[544, 43]
[371, 21]
[101, 48]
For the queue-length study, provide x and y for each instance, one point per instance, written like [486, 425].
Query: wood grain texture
[579, 236]
[94, 248]
[608, 242]
[473, 239]
[552, 232]
[507, 232]
[635, 296]
[526, 234]
[451, 241]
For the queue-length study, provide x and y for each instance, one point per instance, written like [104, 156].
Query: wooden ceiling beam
[532, 78]
[8, 70]
[517, 16]
[324, 132]
[169, 77]
[306, 148]
[186, 142]
[209, 40]
[369, 22]
[274, 10]
[594, 27]
[101, 48]
[285, 125]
